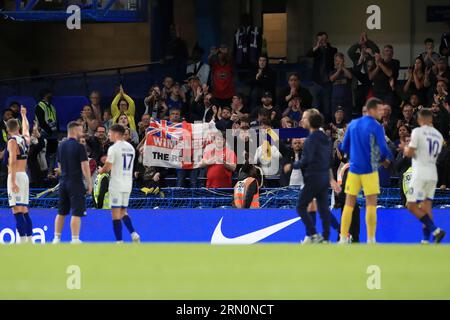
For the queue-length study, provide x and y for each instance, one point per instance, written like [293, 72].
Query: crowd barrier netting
[282, 198]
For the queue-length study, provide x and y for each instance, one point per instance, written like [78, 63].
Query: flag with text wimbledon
[177, 145]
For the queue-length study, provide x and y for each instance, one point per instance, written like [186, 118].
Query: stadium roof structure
[92, 11]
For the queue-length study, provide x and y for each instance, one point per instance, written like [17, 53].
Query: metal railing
[118, 70]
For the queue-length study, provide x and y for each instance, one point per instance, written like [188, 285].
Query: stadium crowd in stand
[208, 93]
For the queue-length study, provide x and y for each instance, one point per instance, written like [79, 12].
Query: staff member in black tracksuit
[74, 165]
[315, 165]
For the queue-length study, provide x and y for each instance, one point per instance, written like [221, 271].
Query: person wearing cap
[267, 104]
[197, 67]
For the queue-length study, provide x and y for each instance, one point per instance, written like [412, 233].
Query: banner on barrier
[176, 145]
[214, 226]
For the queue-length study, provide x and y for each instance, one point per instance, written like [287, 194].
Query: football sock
[371, 221]
[313, 216]
[75, 238]
[21, 224]
[117, 225]
[426, 220]
[127, 222]
[346, 221]
[426, 233]
[57, 236]
[29, 224]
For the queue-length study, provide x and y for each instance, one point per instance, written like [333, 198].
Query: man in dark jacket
[202, 109]
[295, 89]
[315, 165]
[265, 79]
[362, 54]
[323, 54]
[441, 119]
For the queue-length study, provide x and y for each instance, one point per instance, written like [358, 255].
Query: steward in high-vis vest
[101, 194]
[46, 115]
[47, 120]
[246, 190]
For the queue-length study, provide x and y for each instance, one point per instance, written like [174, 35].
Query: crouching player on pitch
[18, 183]
[315, 164]
[365, 144]
[424, 149]
[120, 163]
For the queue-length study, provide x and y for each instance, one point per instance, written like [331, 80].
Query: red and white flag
[177, 145]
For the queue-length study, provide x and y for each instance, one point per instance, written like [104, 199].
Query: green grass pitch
[160, 271]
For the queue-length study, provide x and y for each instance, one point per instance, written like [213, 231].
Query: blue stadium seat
[68, 108]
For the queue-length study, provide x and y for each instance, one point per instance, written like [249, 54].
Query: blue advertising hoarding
[215, 226]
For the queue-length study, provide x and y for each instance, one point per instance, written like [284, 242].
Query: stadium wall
[51, 48]
[215, 226]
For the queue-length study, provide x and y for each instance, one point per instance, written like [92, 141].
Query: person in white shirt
[119, 163]
[267, 155]
[296, 178]
[424, 149]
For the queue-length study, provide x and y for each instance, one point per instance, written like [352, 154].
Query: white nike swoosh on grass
[250, 238]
